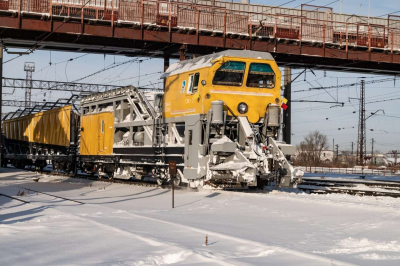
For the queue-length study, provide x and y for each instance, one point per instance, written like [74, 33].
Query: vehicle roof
[205, 61]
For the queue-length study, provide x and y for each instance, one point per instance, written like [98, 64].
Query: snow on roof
[205, 61]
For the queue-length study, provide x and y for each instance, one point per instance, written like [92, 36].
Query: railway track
[106, 180]
[316, 185]
[321, 185]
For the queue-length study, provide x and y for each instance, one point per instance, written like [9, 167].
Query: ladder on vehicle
[143, 109]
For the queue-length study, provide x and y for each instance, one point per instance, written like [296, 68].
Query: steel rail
[350, 186]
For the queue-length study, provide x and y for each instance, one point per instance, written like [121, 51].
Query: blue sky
[306, 116]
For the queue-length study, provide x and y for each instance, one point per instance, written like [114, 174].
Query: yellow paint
[97, 134]
[48, 127]
[257, 99]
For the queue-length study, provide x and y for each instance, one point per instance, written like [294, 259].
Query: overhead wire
[342, 86]
[133, 77]
[111, 66]
[57, 63]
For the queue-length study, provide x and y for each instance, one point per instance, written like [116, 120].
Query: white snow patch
[352, 245]
[9, 230]
[374, 256]
[162, 259]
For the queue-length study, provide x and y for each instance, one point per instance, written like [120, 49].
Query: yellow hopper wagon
[37, 138]
[218, 119]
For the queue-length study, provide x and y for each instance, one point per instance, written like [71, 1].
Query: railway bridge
[311, 36]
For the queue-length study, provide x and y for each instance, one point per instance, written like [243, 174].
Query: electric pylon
[362, 140]
[29, 68]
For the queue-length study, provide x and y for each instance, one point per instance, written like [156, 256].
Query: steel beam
[1, 95]
[56, 85]
[15, 103]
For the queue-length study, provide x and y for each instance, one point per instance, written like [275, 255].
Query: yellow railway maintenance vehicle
[218, 119]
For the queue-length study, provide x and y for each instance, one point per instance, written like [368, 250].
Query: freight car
[35, 139]
[218, 119]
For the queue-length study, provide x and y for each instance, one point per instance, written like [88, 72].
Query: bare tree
[310, 150]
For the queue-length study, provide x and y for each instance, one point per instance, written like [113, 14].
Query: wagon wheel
[160, 181]
[110, 175]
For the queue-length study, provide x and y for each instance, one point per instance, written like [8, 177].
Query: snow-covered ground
[118, 224]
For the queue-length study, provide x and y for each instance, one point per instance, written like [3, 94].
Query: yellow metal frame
[181, 104]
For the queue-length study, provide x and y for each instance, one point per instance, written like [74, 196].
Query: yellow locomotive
[218, 119]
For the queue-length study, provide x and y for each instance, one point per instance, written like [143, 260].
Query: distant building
[326, 155]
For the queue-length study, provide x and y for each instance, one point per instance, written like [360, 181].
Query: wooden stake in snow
[206, 240]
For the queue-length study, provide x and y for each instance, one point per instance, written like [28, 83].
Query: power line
[380, 101]
[392, 116]
[353, 84]
[346, 86]
[110, 67]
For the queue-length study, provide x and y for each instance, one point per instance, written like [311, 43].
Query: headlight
[243, 108]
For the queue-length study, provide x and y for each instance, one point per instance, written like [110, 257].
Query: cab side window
[230, 74]
[193, 83]
[260, 76]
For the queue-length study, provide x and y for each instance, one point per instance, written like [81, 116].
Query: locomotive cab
[246, 81]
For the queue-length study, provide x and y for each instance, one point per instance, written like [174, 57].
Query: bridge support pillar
[287, 119]
[166, 64]
[1, 100]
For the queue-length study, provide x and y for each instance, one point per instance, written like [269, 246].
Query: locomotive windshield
[231, 74]
[260, 76]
